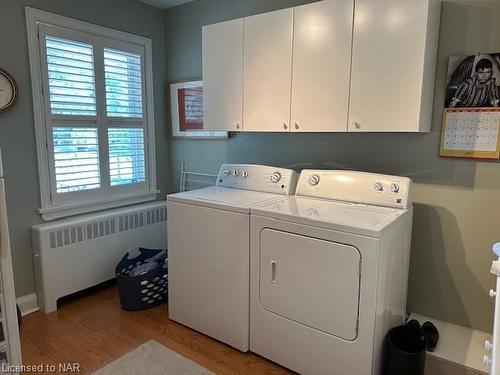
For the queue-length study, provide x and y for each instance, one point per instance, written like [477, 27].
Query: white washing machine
[209, 249]
[329, 271]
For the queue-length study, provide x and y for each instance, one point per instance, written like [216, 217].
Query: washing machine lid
[236, 200]
[361, 219]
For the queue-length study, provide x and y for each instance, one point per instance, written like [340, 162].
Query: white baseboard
[28, 304]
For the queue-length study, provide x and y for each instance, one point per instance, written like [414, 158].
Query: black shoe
[413, 323]
[432, 334]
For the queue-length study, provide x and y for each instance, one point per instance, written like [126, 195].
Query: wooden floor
[93, 330]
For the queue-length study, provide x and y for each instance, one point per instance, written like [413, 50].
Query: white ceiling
[164, 4]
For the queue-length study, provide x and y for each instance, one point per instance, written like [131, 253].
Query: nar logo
[69, 367]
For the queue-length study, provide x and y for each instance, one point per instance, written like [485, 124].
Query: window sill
[52, 213]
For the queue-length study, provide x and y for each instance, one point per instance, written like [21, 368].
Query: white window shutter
[123, 80]
[76, 159]
[126, 156]
[71, 77]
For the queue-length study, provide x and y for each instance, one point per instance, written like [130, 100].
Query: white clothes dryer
[209, 249]
[329, 271]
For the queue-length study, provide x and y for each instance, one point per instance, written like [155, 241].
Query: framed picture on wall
[186, 102]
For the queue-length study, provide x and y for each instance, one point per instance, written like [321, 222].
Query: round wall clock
[8, 91]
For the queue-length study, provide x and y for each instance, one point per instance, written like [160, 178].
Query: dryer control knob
[313, 180]
[235, 172]
[244, 174]
[378, 186]
[226, 172]
[395, 188]
[275, 177]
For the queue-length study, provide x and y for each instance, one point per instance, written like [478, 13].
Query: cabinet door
[321, 66]
[223, 75]
[389, 55]
[267, 71]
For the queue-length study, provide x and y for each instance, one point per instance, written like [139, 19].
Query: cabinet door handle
[237, 125]
[296, 126]
[285, 126]
[356, 124]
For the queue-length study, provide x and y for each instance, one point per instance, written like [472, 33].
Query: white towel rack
[185, 175]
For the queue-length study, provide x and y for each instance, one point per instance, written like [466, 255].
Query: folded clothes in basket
[141, 269]
[149, 264]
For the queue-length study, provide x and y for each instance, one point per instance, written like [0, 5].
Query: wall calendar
[471, 133]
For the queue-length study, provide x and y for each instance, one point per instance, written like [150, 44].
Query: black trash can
[143, 279]
[404, 351]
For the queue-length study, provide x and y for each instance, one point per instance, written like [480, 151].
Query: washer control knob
[378, 186]
[275, 177]
[235, 172]
[244, 174]
[395, 188]
[313, 180]
[226, 172]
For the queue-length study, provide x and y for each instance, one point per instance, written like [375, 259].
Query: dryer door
[311, 281]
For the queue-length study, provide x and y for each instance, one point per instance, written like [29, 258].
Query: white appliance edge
[9, 315]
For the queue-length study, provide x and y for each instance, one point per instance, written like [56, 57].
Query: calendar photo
[473, 81]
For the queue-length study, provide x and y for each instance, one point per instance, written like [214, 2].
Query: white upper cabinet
[393, 65]
[223, 75]
[267, 71]
[321, 66]
[328, 66]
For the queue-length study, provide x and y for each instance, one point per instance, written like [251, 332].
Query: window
[95, 132]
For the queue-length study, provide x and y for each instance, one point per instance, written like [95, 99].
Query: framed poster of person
[473, 81]
[471, 118]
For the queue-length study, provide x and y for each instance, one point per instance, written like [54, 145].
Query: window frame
[68, 204]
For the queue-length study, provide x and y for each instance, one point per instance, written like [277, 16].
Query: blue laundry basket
[146, 290]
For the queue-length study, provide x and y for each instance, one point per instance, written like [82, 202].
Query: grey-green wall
[457, 202]
[17, 134]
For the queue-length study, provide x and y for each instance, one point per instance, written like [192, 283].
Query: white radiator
[74, 254]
